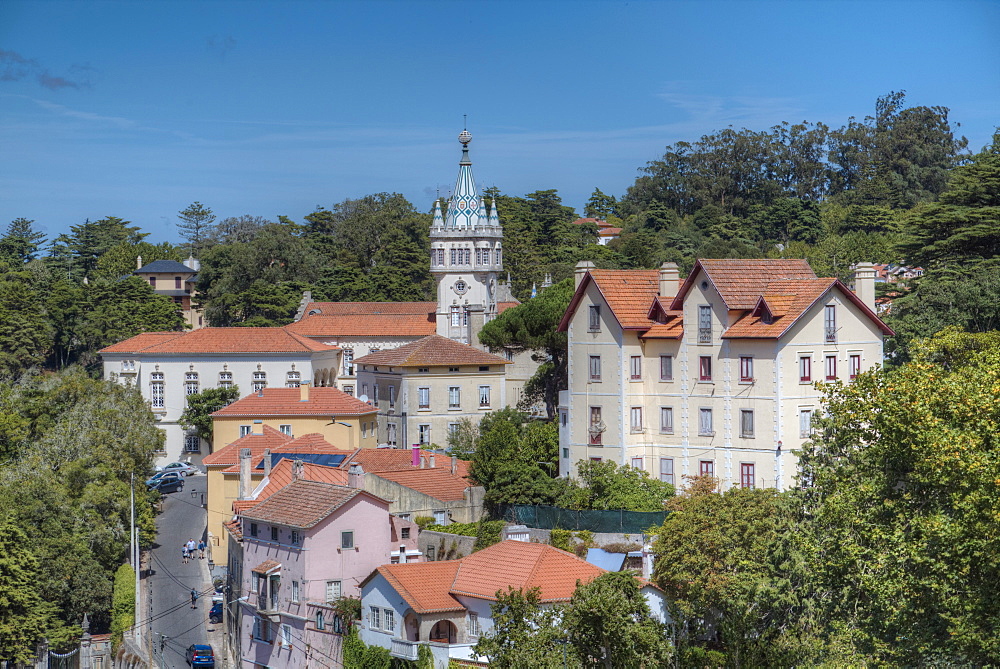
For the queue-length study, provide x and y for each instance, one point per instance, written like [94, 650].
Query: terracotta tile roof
[266, 566]
[628, 292]
[230, 454]
[431, 350]
[424, 585]
[367, 319]
[504, 306]
[286, 402]
[303, 503]
[609, 232]
[673, 329]
[314, 442]
[438, 483]
[741, 282]
[140, 342]
[220, 340]
[379, 460]
[281, 477]
[235, 528]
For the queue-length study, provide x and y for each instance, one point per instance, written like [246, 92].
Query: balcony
[831, 334]
[405, 650]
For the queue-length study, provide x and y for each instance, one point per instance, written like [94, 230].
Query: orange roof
[235, 528]
[314, 442]
[628, 292]
[432, 350]
[303, 503]
[220, 340]
[609, 232]
[367, 319]
[438, 483]
[741, 282]
[431, 587]
[286, 402]
[230, 454]
[266, 566]
[504, 306]
[281, 476]
[378, 460]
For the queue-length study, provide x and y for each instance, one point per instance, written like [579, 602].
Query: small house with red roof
[446, 605]
[714, 375]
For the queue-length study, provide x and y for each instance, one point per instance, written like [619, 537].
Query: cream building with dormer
[712, 376]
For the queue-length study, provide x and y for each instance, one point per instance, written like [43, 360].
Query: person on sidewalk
[185, 553]
[201, 549]
[194, 598]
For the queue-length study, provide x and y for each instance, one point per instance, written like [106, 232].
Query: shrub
[122, 603]
[424, 522]
[562, 539]
[622, 547]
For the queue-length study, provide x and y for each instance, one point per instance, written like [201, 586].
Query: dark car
[215, 614]
[164, 476]
[166, 485]
[200, 655]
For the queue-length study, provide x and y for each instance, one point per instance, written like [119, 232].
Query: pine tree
[196, 226]
[24, 616]
[22, 241]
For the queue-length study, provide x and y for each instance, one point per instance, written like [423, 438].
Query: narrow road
[171, 581]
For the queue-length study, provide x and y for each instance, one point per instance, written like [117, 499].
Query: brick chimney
[244, 473]
[304, 391]
[356, 476]
[581, 270]
[670, 279]
[864, 283]
[267, 462]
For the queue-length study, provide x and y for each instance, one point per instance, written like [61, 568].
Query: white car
[180, 467]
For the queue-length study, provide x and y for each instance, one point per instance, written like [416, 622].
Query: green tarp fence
[554, 517]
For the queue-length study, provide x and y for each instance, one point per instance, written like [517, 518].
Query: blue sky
[136, 109]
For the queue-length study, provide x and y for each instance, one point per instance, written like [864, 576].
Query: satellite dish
[364, 398]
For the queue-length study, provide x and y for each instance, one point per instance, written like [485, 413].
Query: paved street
[171, 581]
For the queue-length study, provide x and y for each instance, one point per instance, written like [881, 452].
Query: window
[293, 380]
[595, 318]
[295, 590]
[666, 368]
[747, 474]
[805, 423]
[392, 396]
[388, 620]
[364, 391]
[225, 379]
[596, 426]
[253, 529]
[274, 533]
[474, 625]
[565, 453]
[364, 430]
[499, 256]
[635, 367]
[424, 434]
[348, 362]
[375, 396]
[296, 538]
[391, 434]
[805, 369]
[192, 443]
[156, 391]
[285, 429]
[667, 470]
[635, 419]
[404, 533]
[456, 316]
[667, 420]
[261, 628]
[705, 368]
[320, 621]
[430, 554]
[190, 383]
[349, 390]
[347, 539]
[424, 398]
[855, 366]
[259, 381]
[440, 517]
[484, 396]
[746, 423]
[332, 591]
[423, 370]
[595, 368]
[454, 397]
[177, 283]
[595, 458]
[453, 369]
[704, 324]
[830, 322]
[746, 369]
[152, 282]
[484, 368]
[706, 468]
[375, 617]
[637, 463]
[831, 367]
[705, 423]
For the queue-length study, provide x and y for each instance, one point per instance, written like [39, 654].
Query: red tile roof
[281, 476]
[628, 292]
[313, 442]
[367, 319]
[431, 350]
[220, 340]
[230, 454]
[266, 566]
[303, 504]
[379, 460]
[285, 402]
[235, 527]
[438, 483]
[504, 306]
[741, 282]
[431, 587]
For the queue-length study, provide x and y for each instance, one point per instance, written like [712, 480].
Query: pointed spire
[534, 289]
[494, 216]
[438, 218]
[482, 219]
[464, 204]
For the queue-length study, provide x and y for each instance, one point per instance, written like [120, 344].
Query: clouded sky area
[137, 109]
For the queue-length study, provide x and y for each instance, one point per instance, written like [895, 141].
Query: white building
[715, 376]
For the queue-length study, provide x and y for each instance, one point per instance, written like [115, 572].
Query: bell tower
[466, 257]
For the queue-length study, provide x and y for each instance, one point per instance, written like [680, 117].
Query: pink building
[304, 547]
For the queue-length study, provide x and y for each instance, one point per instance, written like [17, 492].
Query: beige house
[713, 376]
[176, 281]
[341, 419]
[423, 389]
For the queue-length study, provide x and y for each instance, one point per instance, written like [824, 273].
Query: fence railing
[556, 518]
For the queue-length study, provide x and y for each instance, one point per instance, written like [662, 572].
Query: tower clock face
[461, 287]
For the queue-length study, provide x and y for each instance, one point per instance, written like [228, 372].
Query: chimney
[244, 473]
[258, 427]
[581, 270]
[669, 279]
[647, 561]
[864, 283]
[138, 262]
[415, 461]
[304, 391]
[454, 464]
[267, 462]
[423, 461]
[430, 461]
[356, 476]
[298, 470]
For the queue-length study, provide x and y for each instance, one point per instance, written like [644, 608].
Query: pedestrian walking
[201, 549]
[185, 553]
[191, 546]
[194, 598]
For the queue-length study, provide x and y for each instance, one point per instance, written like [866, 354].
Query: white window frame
[245, 430]
[637, 462]
[157, 390]
[295, 591]
[424, 397]
[667, 470]
[285, 428]
[454, 397]
[595, 368]
[805, 423]
[746, 369]
[388, 620]
[830, 323]
[259, 381]
[191, 383]
[705, 324]
[225, 379]
[293, 379]
[320, 620]
[666, 368]
[474, 629]
[594, 315]
[746, 424]
[192, 443]
[344, 543]
[666, 420]
[333, 590]
[348, 362]
[635, 368]
[635, 420]
[424, 434]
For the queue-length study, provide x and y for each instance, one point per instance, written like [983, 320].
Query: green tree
[196, 227]
[91, 240]
[610, 486]
[197, 415]
[25, 336]
[21, 242]
[25, 617]
[121, 260]
[600, 205]
[609, 624]
[524, 634]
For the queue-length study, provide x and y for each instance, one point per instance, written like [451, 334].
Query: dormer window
[766, 318]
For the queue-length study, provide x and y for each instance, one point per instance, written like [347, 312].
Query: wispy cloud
[720, 110]
[15, 67]
[62, 110]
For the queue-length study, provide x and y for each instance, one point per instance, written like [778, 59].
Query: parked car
[200, 655]
[215, 614]
[164, 476]
[181, 468]
[165, 485]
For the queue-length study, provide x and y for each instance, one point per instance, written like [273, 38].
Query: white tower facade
[466, 257]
